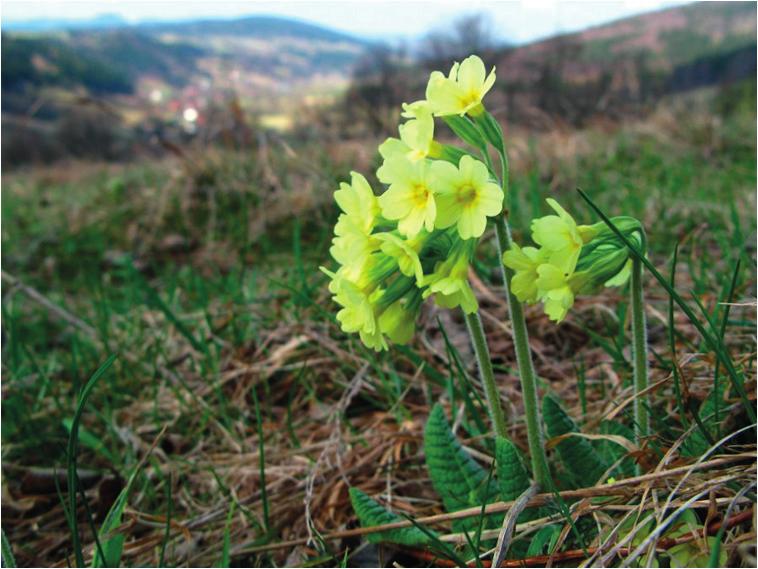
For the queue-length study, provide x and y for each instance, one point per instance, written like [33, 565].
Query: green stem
[486, 373]
[526, 368]
[540, 469]
[639, 352]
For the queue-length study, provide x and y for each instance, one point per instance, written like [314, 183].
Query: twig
[38, 297]
[509, 524]
[572, 554]
[621, 487]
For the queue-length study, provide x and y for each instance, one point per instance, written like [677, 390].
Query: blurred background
[167, 180]
[147, 79]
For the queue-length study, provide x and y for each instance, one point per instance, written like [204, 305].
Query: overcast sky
[515, 22]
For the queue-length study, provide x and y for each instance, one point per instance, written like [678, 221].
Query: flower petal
[471, 74]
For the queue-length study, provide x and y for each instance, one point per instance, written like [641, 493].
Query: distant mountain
[107, 55]
[101, 62]
[261, 27]
[99, 22]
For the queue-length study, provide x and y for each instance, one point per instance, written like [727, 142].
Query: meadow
[236, 415]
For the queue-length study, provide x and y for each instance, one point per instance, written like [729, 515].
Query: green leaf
[457, 478]
[370, 513]
[583, 463]
[695, 553]
[512, 476]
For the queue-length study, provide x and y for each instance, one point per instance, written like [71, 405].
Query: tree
[468, 34]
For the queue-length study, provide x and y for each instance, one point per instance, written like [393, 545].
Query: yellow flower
[449, 281]
[559, 235]
[410, 197]
[555, 291]
[352, 246]
[462, 90]
[416, 139]
[466, 196]
[372, 311]
[525, 262]
[414, 109]
[353, 243]
[405, 252]
[398, 323]
[358, 201]
[357, 313]
[374, 340]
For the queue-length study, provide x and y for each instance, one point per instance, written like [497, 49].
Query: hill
[611, 70]
[622, 66]
[153, 77]
[261, 27]
[171, 80]
[103, 62]
[107, 56]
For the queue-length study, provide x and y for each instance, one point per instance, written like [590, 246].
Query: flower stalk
[486, 373]
[491, 130]
[527, 375]
[640, 355]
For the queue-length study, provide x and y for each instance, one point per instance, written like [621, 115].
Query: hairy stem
[639, 352]
[486, 373]
[528, 377]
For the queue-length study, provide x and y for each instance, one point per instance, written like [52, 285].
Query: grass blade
[91, 521]
[226, 559]
[8, 559]
[90, 441]
[73, 441]
[722, 332]
[261, 461]
[113, 546]
[672, 341]
[167, 534]
[713, 342]
[440, 547]
[154, 300]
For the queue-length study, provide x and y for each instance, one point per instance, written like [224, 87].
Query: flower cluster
[417, 238]
[571, 259]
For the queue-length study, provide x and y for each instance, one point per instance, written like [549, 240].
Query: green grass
[170, 266]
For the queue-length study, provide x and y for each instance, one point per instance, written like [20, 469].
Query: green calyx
[605, 260]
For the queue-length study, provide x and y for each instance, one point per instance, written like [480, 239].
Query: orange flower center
[420, 195]
[466, 195]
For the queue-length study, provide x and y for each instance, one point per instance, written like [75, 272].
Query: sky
[513, 21]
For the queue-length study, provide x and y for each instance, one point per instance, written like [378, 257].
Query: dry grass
[333, 414]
